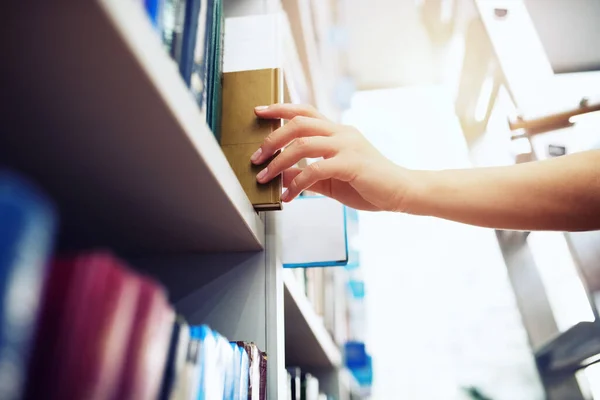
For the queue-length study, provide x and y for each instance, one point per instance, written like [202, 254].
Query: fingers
[296, 128]
[311, 176]
[287, 111]
[289, 175]
[321, 187]
[305, 147]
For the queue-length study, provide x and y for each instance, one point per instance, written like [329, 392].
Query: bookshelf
[127, 144]
[103, 122]
[308, 344]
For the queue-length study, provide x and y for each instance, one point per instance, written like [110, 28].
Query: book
[288, 387]
[252, 77]
[295, 375]
[242, 133]
[211, 371]
[27, 234]
[188, 383]
[244, 374]
[173, 22]
[201, 62]
[192, 41]
[178, 349]
[313, 233]
[257, 371]
[80, 347]
[310, 387]
[148, 344]
[214, 84]
[154, 10]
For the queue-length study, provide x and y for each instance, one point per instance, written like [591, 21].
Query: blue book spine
[188, 45]
[202, 52]
[154, 10]
[27, 231]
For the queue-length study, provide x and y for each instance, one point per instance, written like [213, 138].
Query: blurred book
[295, 376]
[201, 62]
[313, 233]
[86, 326]
[192, 33]
[310, 387]
[258, 370]
[174, 369]
[148, 344]
[27, 229]
[302, 385]
[173, 21]
[81, 345]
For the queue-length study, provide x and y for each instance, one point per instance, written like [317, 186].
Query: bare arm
[558, 194]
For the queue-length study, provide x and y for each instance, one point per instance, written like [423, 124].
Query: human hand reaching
[351, 171]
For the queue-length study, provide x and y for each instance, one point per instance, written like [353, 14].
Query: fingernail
[285, 195]
[262, 174]
[261, 108]
[256, 155]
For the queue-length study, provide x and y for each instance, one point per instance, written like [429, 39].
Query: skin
[560, 194]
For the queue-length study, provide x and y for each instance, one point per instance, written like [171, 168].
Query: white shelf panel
[307, 342]
[96, 112]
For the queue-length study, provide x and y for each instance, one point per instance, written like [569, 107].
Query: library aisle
[442, 315]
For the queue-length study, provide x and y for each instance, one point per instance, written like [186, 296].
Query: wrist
[420, 192]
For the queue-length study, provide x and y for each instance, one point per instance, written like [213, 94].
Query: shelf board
[95, 111]
[572, 350]
[307, 342]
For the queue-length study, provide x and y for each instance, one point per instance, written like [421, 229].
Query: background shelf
[107, 127]
[307, 342]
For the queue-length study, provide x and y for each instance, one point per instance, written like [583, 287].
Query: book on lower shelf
[86, 325]
[303, 385]
[27, 229]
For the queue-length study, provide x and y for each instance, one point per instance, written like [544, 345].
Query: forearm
[558, 194]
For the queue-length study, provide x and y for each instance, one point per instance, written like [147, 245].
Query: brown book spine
[242, 132]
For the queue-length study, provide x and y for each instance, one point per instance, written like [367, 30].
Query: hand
[352, 171]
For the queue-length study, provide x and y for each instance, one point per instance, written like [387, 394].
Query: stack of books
[302, 385]
[192, 32]
[85, 325]
[327, 289]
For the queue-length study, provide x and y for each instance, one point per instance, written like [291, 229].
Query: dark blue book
[154, 9]
[178, 349]
[173, 19]
[27, 231]
[193, 40]
[201, 63]
[215, 73]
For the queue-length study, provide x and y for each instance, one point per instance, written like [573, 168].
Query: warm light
[521, 146]
[566, 293]
[485, 96]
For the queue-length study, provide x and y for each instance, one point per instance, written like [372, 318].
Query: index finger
[296, 128]
[287, 111]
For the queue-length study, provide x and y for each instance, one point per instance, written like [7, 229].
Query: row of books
[85, 325]
[325, 289]
[192, 32]
[302, 385]
[338, 299]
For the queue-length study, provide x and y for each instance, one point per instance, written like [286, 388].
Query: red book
[148, 346]
[87, 319]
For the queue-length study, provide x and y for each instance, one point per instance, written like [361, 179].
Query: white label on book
[253, 42]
